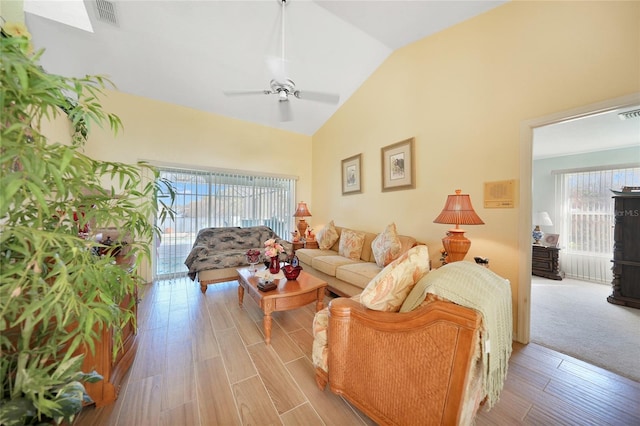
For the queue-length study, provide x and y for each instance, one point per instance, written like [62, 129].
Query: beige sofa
[345, 277]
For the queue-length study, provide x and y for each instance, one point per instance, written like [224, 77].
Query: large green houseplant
[54, 286]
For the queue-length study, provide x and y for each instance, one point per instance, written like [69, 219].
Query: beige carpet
[574, 317]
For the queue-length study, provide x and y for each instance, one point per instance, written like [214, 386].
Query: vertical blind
[218, 199]
[587, 218]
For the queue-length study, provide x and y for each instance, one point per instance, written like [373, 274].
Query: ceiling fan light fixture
[282, 85]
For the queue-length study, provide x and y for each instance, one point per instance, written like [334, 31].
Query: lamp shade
[542, 218]
[302, 210]
[459, 211]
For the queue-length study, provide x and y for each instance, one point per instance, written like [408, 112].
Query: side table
[311, 244]
[545, 262]
[296, 245]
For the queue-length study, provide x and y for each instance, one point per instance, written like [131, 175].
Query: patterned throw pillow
[386, 246]
[387, 290]
[351, 243]
[327, 236]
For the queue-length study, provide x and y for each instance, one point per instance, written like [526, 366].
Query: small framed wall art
[352, 175]
[398, 166]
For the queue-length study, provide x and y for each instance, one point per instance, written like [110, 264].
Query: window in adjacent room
[220, 198]
[587, 219]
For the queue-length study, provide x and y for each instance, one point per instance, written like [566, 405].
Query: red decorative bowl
[291, 272]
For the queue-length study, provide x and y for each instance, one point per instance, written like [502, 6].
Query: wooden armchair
[420, 367]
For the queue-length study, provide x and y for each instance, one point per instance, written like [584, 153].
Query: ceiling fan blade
[246, 92]
[285, 110]
[328, 98]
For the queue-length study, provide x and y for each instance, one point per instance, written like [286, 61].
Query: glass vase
[274, 266]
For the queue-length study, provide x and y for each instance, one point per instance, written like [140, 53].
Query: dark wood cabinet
[545, 262]
[626, 252]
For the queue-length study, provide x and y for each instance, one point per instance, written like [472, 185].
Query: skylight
[68, 12]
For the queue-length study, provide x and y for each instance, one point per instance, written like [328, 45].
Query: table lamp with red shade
[457, 211]
[302, 211]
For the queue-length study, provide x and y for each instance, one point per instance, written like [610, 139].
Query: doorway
[556, 324]
[522, 332]
[576, 164]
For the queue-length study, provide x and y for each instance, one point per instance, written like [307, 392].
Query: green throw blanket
[476, 287]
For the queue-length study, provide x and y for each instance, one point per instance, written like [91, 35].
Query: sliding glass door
[216, 199]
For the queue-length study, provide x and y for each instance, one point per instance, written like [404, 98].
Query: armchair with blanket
[429, 350]
[218, 252]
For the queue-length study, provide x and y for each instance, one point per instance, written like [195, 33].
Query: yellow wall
[166, 134]
[12, 10]
[463, 94]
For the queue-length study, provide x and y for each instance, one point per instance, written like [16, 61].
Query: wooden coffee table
[288, 295]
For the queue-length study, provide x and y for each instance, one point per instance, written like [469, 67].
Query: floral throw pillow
[386, 246]
[327, 236]
[351, 243]
[387, 290]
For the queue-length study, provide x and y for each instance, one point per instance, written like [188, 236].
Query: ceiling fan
[282, 86]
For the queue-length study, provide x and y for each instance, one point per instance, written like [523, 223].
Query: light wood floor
[202, 361]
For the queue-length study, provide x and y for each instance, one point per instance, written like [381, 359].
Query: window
[587, 219]
[216, 199]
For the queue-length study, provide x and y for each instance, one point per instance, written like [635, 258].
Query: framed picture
[352, 175]
[551, 240]
[398, 166]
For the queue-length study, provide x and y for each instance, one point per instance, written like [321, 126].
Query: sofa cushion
[327, 236]
[417, 295]
[307, 255]
[388, 289]
[358, 274]
[386, 246]
[407, 243]
[328, 264]
[319, 352]
[367, 253]
[351, 243]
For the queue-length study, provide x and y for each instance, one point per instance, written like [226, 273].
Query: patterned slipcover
[320, 349]
[219, 248]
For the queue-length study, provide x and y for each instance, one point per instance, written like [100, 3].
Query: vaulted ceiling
[190, 52]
